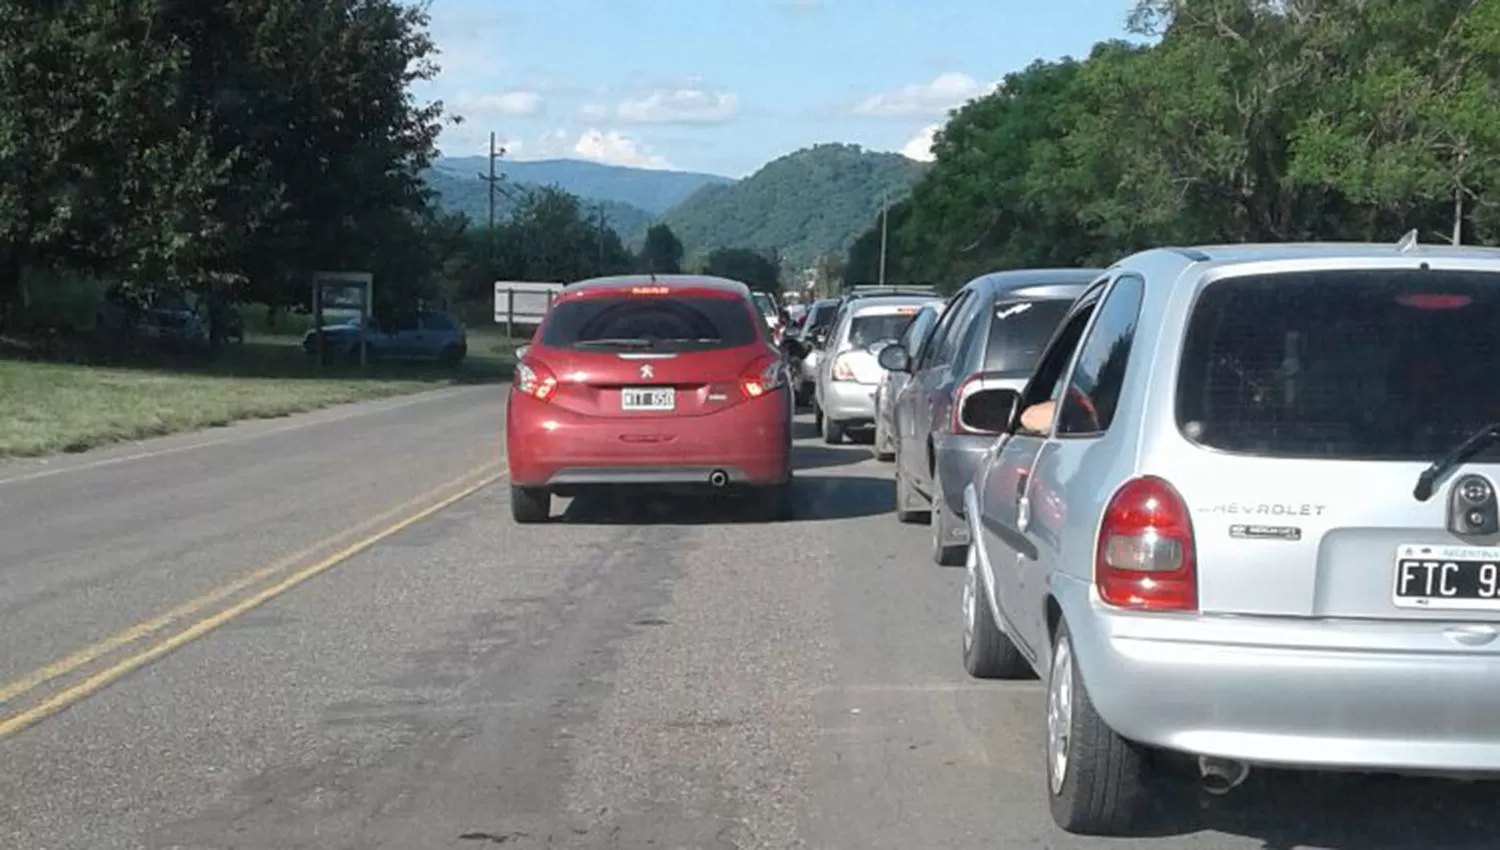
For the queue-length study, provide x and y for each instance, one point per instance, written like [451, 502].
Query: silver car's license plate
[1447, 577]
[648, 398]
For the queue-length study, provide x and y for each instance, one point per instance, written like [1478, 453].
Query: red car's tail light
[1145, 558]
[535, 380]
[763, 376]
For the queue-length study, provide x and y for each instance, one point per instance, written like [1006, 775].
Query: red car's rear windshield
[674, 322]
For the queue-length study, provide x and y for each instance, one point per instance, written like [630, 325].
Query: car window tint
[436, 322]
[405, 323]
[966, 354]
[1019, 330]
[868, 330]
[1366, 364]
[917, 331]
[1098, 377]
[939, 351]
[677, 322]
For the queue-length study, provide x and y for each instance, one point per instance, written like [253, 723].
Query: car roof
[627, 281]
[1039, 283]
[885, 303]
[1239, 254]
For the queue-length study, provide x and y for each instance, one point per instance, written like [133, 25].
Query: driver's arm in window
[1037, 419]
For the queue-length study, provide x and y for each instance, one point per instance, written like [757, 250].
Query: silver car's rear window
[868, 330]
[1359, 365]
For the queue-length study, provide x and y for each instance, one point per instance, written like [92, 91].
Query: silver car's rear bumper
[1380, 696]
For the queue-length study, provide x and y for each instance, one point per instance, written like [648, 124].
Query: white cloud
[685, 105]
[593, 111]
[614, 149]
[920, 146]
[507, 104]
[945, 92]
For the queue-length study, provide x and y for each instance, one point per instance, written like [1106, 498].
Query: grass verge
[62, 407]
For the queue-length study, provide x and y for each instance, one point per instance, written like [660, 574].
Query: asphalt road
[204, 648]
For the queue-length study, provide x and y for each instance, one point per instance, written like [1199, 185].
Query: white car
[848, 373]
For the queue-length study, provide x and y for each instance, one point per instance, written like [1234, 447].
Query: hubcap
[971, 599]
[1059, 714]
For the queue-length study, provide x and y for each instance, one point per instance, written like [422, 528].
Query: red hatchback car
[665, 381]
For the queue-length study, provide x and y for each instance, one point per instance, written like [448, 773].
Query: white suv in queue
[1245, 510]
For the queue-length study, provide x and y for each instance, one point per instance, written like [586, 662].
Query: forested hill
[812, 202]
[650, 189]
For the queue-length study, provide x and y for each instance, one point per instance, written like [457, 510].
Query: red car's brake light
[535, 380]
[1145, 558]
[763, 376]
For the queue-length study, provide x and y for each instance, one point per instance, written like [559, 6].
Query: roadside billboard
[523, 302]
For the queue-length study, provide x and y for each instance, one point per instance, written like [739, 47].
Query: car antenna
[1408, 242]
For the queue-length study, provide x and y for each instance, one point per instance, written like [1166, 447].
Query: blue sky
[724, 86]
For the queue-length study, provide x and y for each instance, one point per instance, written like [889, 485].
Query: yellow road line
[63, 666]
[93, 684]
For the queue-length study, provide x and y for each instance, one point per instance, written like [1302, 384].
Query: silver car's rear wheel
[1059, 713]
[1098, 781]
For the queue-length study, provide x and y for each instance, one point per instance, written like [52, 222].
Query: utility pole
[494, 185]
[599, 209]
[884, 215]
[492, 178]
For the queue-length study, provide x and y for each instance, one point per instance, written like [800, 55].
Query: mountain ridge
[810, 202]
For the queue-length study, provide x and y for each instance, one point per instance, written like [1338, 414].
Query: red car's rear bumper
[547, 446]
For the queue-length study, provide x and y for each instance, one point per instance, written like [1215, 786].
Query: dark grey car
[990, 335]
[891, 382]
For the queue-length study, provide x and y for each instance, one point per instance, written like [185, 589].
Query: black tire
[833, 431]
[882, 444]
[988, 652]
[1105, 778]
[450, 356]
[943, 555]
[903, 498]
[530, 504]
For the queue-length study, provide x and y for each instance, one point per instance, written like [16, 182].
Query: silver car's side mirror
[894, 358]
[989, 411]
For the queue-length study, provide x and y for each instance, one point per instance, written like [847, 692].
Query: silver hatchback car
[1245, 510]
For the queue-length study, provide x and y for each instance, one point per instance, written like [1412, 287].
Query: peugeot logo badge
[647, 371]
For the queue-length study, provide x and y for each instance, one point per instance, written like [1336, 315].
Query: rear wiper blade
[614, 342]
[1477, 442]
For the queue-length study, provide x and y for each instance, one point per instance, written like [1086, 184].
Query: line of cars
[1240, 510]
[1234, 505]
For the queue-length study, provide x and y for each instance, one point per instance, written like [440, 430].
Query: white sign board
[522, 302]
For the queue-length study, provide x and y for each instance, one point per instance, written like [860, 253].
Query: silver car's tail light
[1145, 557]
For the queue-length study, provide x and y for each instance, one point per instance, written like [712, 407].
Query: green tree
[662, 252]
[241, 143]
[752, 268]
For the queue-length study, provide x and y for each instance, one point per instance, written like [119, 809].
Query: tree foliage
[1248, 120]
[238, 144]
[752, 268]
[662, 252]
